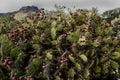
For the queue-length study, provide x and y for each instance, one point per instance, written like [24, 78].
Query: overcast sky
[102, 5]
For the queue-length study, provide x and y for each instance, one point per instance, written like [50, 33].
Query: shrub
[77, 46]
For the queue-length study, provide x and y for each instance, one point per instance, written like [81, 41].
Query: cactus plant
[78, 46]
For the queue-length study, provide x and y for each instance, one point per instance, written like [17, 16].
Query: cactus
[79, 46]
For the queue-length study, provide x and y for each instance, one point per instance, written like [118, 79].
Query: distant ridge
[24, 9]
[29, 8]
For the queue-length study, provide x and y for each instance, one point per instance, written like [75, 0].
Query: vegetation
[113, 16]
[78, 45]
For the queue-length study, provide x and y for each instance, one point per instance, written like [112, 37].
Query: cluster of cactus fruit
[77, 46]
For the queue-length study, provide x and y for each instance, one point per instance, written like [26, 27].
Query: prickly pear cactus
[78, 46]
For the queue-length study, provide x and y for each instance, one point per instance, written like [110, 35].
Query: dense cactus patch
[78, 45]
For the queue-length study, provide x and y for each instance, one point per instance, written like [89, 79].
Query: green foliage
[71, 73]
[112, 14]
[83, 57]
[77, 45]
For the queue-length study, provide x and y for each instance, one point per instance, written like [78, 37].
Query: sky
[101, 5]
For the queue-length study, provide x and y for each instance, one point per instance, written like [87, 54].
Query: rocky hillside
[29, 8]
[22, 12]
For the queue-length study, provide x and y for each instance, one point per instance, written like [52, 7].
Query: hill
[22, 12]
